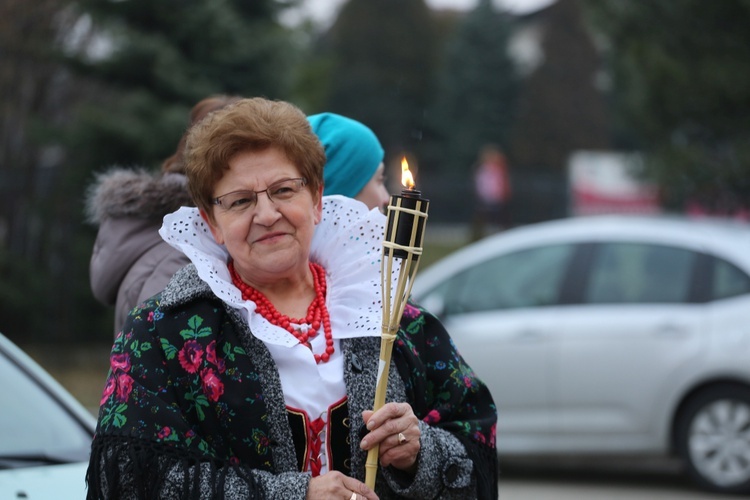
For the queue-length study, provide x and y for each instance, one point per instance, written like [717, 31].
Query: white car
[45, 433]
[615, 335]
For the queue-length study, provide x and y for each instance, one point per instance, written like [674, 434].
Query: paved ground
[608, 480]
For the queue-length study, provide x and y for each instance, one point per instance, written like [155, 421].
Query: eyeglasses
[237, 201]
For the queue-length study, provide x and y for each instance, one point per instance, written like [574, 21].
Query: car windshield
[36, 428]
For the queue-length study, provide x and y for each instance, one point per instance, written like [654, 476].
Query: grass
[81, 369]
[436, 251]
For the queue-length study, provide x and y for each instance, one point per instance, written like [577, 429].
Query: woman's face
[268, 240]
[374, 194]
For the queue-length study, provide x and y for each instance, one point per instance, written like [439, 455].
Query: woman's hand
[396, 429]
[334, 485]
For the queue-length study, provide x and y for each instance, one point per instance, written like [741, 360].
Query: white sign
[608, 182]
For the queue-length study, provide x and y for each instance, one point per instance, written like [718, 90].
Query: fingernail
[371, 424]
[363, 444]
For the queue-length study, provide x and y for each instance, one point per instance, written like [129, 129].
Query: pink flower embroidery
[410, 311]
[479, 437]
[164, 433]
[124, 387]
[211, 352]
[190, 356]
[109, 388]
[120, 362]
[212, 358]
[262, 441]
[212, 384]
[433, 417]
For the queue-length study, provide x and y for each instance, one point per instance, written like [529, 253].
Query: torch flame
[407, 180]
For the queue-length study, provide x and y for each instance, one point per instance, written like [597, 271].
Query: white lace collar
[347, 243]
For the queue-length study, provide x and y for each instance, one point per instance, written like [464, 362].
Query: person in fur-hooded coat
[130, 261]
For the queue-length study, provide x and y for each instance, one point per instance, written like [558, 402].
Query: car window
[525, 278]
[728, 280]
[33, 424]
[639, 273]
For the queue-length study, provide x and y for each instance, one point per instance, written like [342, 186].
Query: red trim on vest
[314, 443]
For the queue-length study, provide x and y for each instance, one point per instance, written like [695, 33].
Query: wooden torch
[402, 248]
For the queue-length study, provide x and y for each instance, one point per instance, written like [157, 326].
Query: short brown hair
[250, 125]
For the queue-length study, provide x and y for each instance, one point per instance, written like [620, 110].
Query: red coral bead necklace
[302, 328]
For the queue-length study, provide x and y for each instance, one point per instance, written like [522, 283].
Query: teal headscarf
[353, 153]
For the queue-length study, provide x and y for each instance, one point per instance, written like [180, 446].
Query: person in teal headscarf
[354, 159]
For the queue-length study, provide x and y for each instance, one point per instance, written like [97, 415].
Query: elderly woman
[253, 373]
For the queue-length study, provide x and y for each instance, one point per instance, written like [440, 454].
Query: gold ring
[401, 438]
[353, 497]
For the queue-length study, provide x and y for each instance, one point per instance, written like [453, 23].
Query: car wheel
[713, 437]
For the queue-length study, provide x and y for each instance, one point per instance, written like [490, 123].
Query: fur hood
[121, 192]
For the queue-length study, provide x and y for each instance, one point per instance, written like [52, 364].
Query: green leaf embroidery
[134, 349]
[227, 349]
[199, 400]
[120, 420]
[169, 350]
[415, 325]
[195, 330]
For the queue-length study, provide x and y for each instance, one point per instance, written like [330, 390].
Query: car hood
[46, 482]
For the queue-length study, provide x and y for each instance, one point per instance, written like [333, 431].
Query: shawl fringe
[485, 467]
[137, 468]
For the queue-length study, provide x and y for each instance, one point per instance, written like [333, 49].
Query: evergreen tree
[681, 76]
[383, 54]
[138, 69]
[160, 58]
[34, 96]
[478, 85]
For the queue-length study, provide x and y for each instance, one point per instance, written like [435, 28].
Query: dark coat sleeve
[446, 393]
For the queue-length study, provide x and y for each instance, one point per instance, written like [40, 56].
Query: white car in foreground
[45, 434]
[609, 335]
